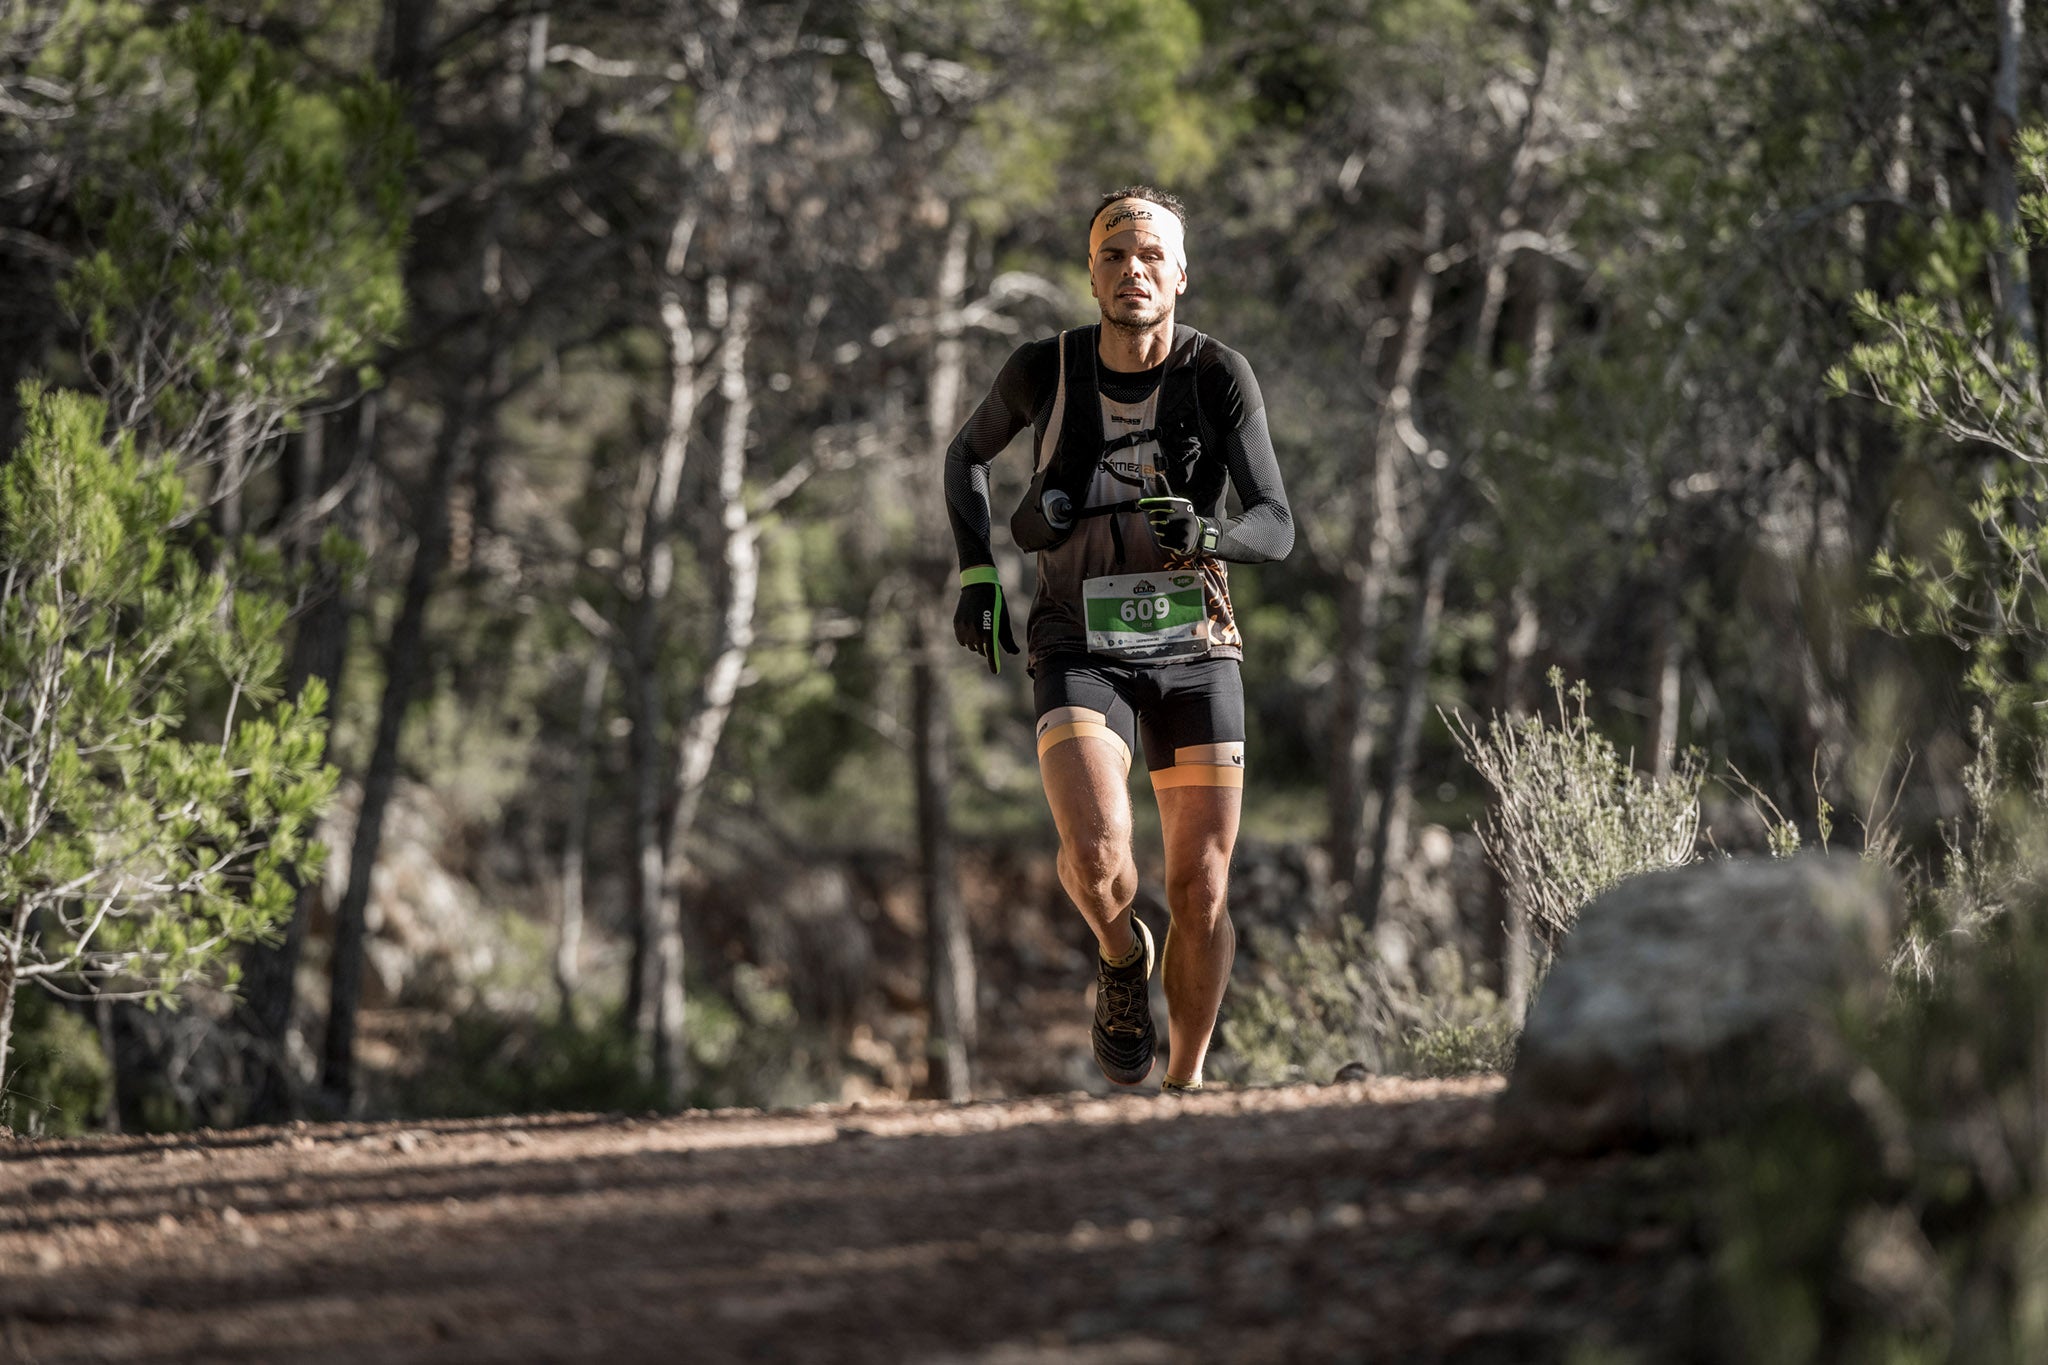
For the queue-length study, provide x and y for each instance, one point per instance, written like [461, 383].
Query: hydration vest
[1052, 504]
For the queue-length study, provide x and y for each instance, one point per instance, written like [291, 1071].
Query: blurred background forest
[576, 378]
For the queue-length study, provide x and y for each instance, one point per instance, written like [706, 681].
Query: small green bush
[1571, 816]
[750, 1051]
[60, 1081]
[1472, 1048]
[1916, 1228]
[493, 1063]
[1327, 998]
[1992, 857]
[156, 794]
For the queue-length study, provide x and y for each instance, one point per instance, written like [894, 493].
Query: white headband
[1141, 216]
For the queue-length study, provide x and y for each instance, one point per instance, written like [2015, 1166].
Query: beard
[1135, 317]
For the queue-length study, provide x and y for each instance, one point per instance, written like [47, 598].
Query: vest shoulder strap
[1180, 415]
[1077, 413]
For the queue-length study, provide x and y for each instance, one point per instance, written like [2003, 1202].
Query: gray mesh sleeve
[1006, 411]
[1233, 406]
[1265, 529]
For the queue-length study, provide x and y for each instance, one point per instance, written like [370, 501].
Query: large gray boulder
[1685, 1000]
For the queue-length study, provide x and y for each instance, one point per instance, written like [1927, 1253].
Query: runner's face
[1136, 280]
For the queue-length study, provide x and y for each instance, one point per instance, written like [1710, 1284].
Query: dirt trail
[1375, 1221]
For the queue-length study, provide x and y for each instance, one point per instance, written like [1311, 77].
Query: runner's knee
[1197, 898]
[1100, 866]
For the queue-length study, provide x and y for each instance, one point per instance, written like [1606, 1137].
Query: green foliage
[133, 859]
[1472, 1047]
[1910, 1229]
[60, 1080]
[1571, 816]
[246, 228]
[1945, 362]
[749, 1047]
[1327, 998]
[1954, 369]
[1038, 137]
[1704, 191]
[746, 1048]
[489, 1062]
[1992, 858]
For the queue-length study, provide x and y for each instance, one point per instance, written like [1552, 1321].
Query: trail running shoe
[1123, 1034]
[1170, 1086]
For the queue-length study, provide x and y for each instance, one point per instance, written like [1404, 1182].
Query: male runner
[1131, 632]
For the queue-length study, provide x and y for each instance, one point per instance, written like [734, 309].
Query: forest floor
[1380, 1220]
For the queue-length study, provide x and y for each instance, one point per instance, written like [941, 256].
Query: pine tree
[153, 791]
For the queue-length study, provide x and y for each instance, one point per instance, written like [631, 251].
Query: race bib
[1158, 615]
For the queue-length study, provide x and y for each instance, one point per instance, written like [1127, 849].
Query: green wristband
[984, 573]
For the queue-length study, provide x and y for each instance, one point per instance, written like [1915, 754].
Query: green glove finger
[998, 624]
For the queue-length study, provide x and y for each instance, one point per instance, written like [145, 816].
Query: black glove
[1176, 527]
[981, 620]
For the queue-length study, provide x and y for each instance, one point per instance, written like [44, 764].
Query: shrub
[1328, 998]
[747, 1049]
[1992, 858]
[1571, 816]
[59, 1081]
[1912, 1230]
[134, 859]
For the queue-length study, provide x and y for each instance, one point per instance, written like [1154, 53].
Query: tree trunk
[1514, 199]
[645, 761]
[336, 452]
[651, 549]
[1390, 831]
[1871, 437]
[404, 666]
[405, 48]
[7, 990]
[229, 475]
[103, 1029]
[1362, 590]
[407, 58]
[1516, 623]
[569, 929]
[1390, 827]
[739, 550]
[2009, 263]
[1361, 587]
[697, 746]
[949, 950]
[1518, 629]
[1665, 678]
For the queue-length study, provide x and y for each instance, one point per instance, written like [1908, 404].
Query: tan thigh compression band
[1063, 723]
[1203, 765]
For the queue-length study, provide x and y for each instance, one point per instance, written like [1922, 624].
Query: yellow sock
[1137, 951]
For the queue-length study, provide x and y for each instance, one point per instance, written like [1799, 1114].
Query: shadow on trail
[283, 1135]
[1288, 1233]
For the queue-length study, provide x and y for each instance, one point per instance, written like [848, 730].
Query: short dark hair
[1159, 197]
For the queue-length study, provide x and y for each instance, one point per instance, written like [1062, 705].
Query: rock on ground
[1683, 1000]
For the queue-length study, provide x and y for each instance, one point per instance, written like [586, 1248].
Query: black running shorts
[1190, 715]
